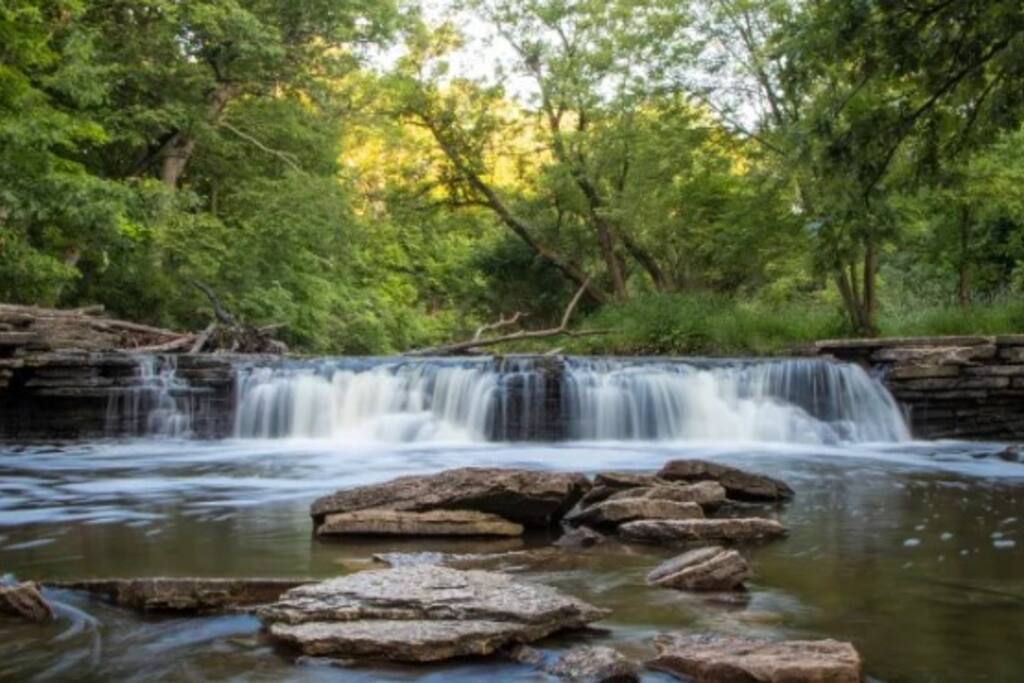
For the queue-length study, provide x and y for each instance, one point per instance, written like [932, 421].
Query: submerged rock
[188, 595]
[616, 511]
[23, 600]
[708, 494]
[703, 569]
[595, 665]
[430, 523]
[532, 498]
[421, 614]
[740, 529]
[729, 659]
[738, 484]
[579, 539]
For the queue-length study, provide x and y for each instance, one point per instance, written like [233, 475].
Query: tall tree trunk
[870, 316]
[606, 240]
[178, 152]
[569, 269]
[963, 284]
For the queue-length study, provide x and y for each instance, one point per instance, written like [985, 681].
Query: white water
[157, 404]
[780, 401]
[788, 401]
[396, 402]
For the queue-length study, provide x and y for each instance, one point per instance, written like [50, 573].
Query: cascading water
[156, 403]
[794, 401]
[791, 400]
[391, 400]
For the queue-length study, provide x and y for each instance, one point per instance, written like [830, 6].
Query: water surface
[912, 551]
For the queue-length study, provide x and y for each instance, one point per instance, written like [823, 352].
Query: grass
[709, 324]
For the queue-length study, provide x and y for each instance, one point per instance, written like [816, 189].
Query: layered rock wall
[969, 387]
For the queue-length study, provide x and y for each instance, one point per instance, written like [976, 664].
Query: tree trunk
[870, 305]
[178, 152]
[963, 284]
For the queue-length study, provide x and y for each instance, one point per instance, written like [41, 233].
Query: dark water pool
[914, 553]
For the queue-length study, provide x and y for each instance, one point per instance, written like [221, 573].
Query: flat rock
[188, 595]
[739, 529]
[595, 664]
[23, 600]
[533, 498]
[430, 523]
[708, 494]
[703, 569]
[470, 560]
[738, 484]
[625, 480]
[728, 659]
[421, 614]
[613, 512]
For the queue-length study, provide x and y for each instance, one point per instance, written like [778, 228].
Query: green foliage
[718, 177]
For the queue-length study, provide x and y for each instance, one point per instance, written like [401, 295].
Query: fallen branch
[173, 345]
[476, 342]
[502, 322]
[202, 338]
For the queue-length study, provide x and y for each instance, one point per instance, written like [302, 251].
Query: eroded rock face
[728, 659]
[708, 494]
[616, 511]
[23, 600]
[430, 523]
[421, 614]
[188, 595]
[739, 485]
[595, 665]
[703, 569]
[528, 497]
[735, 530]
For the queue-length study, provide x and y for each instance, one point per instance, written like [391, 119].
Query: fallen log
[470, 345]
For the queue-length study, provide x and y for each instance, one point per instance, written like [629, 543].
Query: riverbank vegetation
[716, 176]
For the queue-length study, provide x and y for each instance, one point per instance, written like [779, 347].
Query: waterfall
[791, 400]
[155, 402]
[391, 400]
[513, 399]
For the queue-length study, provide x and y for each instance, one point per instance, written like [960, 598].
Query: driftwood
[228, 333]
[470, 345]
[31, 328]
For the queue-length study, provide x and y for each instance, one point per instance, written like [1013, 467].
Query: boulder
[187, 595]
[729, 659]
[420, 614]
[23, 600]
[704, 569]
[532, 498]
[736, 530]
[708, 494]
[738, 484]
[613, 512]
[608, 483]
[595, 664]
[430, 523]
